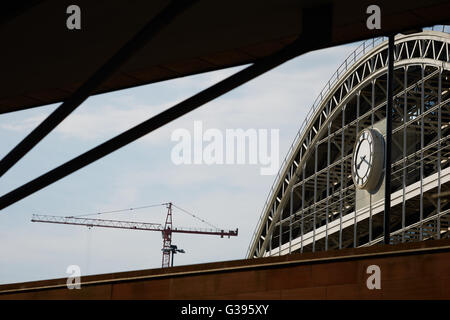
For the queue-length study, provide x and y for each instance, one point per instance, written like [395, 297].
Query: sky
[229, 196]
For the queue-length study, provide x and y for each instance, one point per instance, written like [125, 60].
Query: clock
[368, 160]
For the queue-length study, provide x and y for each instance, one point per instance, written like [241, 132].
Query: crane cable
[145, 207]
[118, 211]
[196, 217]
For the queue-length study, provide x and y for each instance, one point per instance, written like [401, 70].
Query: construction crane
[168, 249]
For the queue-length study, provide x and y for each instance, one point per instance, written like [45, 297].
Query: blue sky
[229, 196]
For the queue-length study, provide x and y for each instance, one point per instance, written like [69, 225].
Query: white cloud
[102, 122]
[228, 196]
[26, 124]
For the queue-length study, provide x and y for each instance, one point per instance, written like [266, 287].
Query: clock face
[362, 158]
[368, 159]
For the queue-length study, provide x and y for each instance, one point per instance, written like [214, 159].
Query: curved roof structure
[313, 203]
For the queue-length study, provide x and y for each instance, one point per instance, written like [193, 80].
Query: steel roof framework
[355, 101]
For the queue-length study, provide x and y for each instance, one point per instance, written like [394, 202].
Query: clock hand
[366, 160]
[359, 165]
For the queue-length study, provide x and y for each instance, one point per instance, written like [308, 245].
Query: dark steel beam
[388, 151]
[316, 34]
[148, 32]
[12, 9]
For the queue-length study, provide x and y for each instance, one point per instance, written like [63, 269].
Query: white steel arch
[425, 54]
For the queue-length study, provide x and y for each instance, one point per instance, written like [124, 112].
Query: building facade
[329, 193]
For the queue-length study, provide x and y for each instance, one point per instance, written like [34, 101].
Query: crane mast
[168, 249]
[167, 238]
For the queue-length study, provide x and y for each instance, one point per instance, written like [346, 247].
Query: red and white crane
[168, 249]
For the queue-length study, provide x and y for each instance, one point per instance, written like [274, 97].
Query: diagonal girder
[304, 43]
[149, 31]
